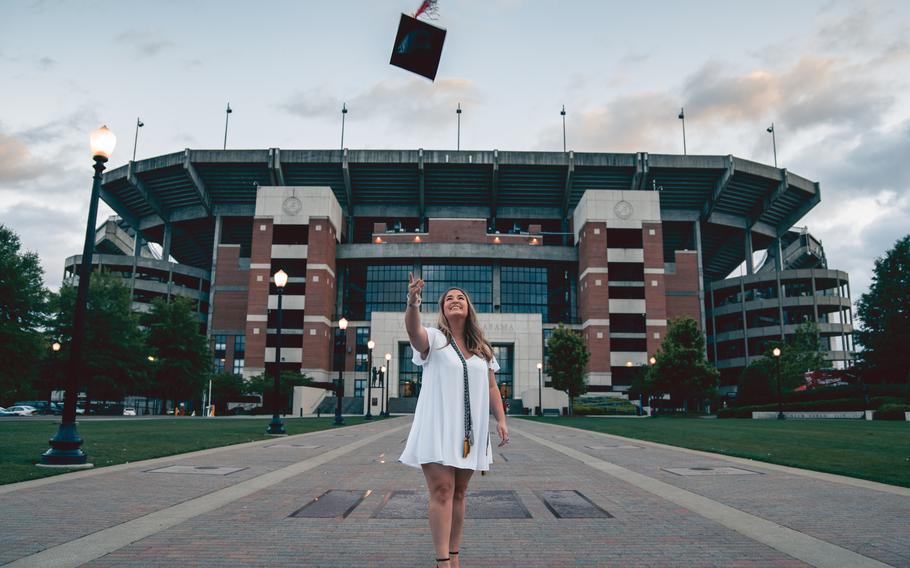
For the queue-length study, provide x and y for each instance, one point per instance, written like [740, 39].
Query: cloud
[144, 43]
[46, 63]
[15, 160]
[420, 104]
[54, 233]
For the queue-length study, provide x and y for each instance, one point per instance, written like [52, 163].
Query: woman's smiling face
[455, 304]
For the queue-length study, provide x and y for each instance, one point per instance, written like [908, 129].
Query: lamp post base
[66, 448]
[276, 427]
[780, 416]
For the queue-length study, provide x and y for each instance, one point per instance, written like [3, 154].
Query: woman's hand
[503, 433]
[415, 289]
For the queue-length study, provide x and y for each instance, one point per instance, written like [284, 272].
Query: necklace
[468, 426]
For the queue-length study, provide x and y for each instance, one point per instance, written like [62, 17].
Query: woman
[450, 438]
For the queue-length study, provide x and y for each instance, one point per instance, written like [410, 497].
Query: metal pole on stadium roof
[139, 124]
[344, 112]
[773, 142]
[227, 114]
[458, 114]
[682, 117]
[66, 445]
[563, 113]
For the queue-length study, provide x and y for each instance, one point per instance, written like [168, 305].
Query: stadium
[612, 245]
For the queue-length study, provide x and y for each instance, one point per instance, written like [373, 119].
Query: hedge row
[891, 412]
[835, 405]
[582, 409]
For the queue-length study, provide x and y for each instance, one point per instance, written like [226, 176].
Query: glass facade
[361, 355]
[409, 374]
[524, 290]
[477, 280]
[386, 288]
[504, 376]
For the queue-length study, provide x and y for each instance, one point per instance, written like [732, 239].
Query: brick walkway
[759, 516]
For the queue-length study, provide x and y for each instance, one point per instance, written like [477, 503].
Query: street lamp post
[652, 360]
[381, 394]
[780, 401]
[276, 428]
[386, 369]
[770, 129]
[370, 345]
[66, 445]
[540, 389]
[339, 388]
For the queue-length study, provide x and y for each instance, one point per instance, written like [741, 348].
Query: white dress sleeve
[437, 341]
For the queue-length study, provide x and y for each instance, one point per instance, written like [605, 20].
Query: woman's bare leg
[441, 484]
[462, 476]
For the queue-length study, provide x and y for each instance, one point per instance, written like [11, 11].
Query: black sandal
[453, 553]
[438, 560]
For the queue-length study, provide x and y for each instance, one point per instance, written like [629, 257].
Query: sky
[832, 77]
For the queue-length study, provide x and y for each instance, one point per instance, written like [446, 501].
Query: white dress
[437, 434]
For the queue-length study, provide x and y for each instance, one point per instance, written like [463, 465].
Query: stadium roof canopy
[726, 194]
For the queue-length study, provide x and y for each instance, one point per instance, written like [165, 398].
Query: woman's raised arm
[416, 332]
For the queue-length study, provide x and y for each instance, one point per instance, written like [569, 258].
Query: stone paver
[256, 528]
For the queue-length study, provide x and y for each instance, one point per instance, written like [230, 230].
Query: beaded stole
[468, 425]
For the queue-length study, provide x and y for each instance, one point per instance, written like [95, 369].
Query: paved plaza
[555, 497]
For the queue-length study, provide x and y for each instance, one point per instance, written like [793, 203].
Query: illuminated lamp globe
[342, 324]
[103, 142]
[281, 279]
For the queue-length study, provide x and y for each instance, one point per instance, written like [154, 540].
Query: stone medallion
[623, 209]
[292, 205]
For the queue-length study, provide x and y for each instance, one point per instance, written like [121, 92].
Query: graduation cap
[418, 47]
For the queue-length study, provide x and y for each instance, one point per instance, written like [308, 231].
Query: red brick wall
[258, 292]
[320, 294]
[230, 306]
[594, 300]
[685, 280]
[655, 296]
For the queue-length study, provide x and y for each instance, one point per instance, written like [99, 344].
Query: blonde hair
[474, 339]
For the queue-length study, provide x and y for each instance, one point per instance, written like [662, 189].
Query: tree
[885, 314]
[799, 354]
[23, 312]
[225, 388]
[114, 351]
[264, 384]
[183, 359]
[756, 384]
[567, 359]
[680, 368]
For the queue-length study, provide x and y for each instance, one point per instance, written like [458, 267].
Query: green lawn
[878, 450]
[111, 442]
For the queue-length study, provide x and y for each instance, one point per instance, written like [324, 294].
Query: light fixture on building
[534, 241]
[378, 240]
[417, 239]
[497, 240]
[342, 324]
[652, 360]
[628, 363]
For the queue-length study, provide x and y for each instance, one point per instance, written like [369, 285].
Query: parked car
[22, 410]
[42, 406]
[5, 412]
[129, 411]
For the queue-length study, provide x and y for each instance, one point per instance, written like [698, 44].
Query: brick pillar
[655, 285]
[258, 295]
[318, 335]
[593, 295]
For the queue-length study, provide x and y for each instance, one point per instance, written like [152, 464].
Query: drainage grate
[723, 470]
[333, 504]
[197, 469]
[480, 505]
[571, 504]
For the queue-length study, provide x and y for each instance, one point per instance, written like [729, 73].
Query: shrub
[825, 405]
[891, 412]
